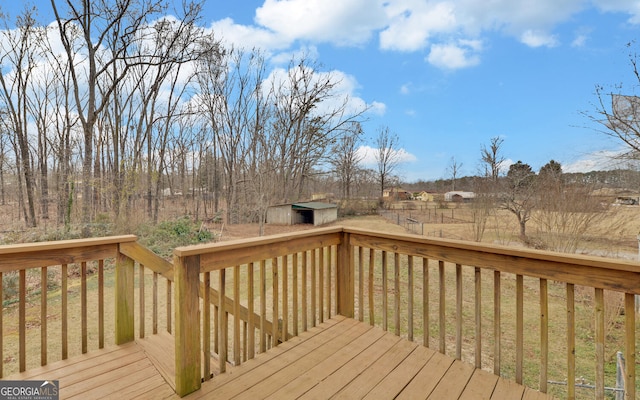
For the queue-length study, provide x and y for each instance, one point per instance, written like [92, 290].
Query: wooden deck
[341, 358]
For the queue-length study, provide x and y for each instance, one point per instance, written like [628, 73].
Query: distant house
[459, 197]
[397, 194]
[316, 213]
[424, 196]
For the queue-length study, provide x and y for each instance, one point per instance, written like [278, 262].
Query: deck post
[124, 297]
[187, 324]
[345, 277]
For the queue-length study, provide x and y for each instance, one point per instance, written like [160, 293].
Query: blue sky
[448, 75]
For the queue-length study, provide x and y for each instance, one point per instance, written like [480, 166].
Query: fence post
[124, 294]
[187, 323]
[345, 277]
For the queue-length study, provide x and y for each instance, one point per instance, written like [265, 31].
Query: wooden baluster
[497, 333]
[458, 311]
[329, 262]
[372, 310]
[64, 291]
[169, 300]
[544, 334]
[385, 293]
[100, 304]
[245, 340]
[425, 302]
[251, 326]
[321, 284]
[141, 295]
[276, 301]
[630, 346]
[263, 306]
[478, 312]
[155, 303]
[313, 288]
[571, 342]
[285, 297]
[410, 297]
[223, 327]
[305, 305]
[43, 315]
[83, 304]
[295, 289]
[22, 321]
[519, 327]
[360, 284]
[396, 287]
[441, 307]
[237, 355]
[206, 325]
[216, 329]
[600, 336]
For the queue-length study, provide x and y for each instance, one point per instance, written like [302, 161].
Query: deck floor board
[340, 358]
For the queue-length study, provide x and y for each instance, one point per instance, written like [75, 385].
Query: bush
[167, 235]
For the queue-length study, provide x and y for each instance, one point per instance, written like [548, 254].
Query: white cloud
[368, 156]
[378, 108]
[597, 161]
[248, 37]
[579, 41]
[539, 39]
[631, 7]
[347, 22]
[453, 56]
[412, 23]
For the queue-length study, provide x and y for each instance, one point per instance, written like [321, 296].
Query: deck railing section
[261, 292]
[494, 306]
[50, 274]
[491, 306]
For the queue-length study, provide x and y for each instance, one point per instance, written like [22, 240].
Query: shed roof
[312, 205]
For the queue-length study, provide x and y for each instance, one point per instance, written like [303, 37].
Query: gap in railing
[508, 353]
[152, 296]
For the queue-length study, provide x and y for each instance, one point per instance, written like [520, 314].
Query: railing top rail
[34, 255]
[64, 244]
[201, 249]
[533, 254]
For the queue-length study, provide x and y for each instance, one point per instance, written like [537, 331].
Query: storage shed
[314, 212]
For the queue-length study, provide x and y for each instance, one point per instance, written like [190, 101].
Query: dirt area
[242, 231]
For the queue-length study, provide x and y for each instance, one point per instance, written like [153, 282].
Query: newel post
[187, 323]
[345, 277]
[124, 289]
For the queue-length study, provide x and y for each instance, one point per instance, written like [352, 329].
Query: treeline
[624, 179]
[116, 106]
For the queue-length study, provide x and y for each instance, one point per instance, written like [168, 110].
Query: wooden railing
[67, 288]
[503, 309]
[428, 290]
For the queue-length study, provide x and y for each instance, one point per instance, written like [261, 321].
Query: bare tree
[519, 194]
[386, 155]
[345, 158]
[567, 214]
[492, 159]
[454, 171]
[18, 50]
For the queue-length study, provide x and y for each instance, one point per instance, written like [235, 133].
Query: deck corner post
[345, 277]
[187, 324]
[124, 297]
